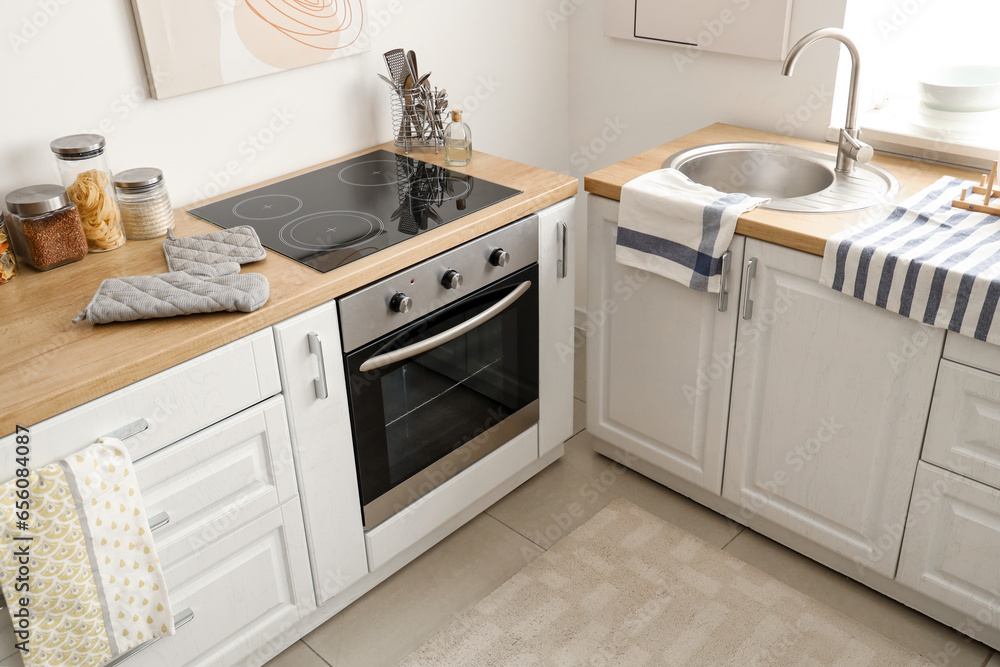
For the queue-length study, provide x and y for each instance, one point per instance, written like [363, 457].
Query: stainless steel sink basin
[796, 179]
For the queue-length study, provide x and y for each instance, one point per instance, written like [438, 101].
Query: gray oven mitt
[239, 244]
[204, 278]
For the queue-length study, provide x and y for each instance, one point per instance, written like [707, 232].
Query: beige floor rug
[627, 588]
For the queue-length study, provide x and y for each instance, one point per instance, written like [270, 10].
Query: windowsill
[967, 140]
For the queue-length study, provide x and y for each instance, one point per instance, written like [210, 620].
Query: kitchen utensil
[395, 62]
[387, 80]
[411, 60]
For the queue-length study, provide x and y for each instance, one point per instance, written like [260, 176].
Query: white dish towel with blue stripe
[671, 226]
[926, 260]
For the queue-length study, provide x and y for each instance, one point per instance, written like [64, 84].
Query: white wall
[83, 67]
[642, 95]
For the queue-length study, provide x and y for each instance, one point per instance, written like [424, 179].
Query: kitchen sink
[796, 179]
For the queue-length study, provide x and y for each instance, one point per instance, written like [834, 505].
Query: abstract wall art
[192, 45]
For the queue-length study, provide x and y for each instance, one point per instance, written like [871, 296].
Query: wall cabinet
[659, 361]
[830, 399]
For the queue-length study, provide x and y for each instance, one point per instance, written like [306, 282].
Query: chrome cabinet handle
[180, 620]
[446, 336]
[316, 348]
[562, 232]
[749, 274]
[129, 430]
[159, 521]
[727, 260]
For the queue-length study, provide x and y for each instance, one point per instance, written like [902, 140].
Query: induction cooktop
[335, 215]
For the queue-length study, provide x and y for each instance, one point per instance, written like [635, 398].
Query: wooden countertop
[52, 365]
[802, 231]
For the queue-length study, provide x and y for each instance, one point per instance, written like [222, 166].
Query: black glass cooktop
[337, 214]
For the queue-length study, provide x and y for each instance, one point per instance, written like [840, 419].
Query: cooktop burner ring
[413, 192]
[388, 171]
[307, 233]
[271, 200]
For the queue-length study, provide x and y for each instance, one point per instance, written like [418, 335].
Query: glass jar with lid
[84, 171]
[144, 203]
[8, 265]
[45, 227]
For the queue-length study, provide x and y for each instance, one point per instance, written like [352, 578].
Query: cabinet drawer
[972, 352]
[243, 589]
[951, 543]
[175, 403]
[963, 432]
[218, 478]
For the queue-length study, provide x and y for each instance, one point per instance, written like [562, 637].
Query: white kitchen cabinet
[245, 590]
[963, 432]
[659, 359]
[556, 276]
[315, 389]
[952, 542]
[830, 399]
[202, 487]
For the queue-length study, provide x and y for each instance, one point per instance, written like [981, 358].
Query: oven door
[432, 398]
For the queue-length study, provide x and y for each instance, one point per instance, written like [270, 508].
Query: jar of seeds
[85, 173]
[144, 202]
[8, 266]
[44, 227]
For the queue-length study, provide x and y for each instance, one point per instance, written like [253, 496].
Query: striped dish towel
[927, 261]
[95, 584]
[678, 229]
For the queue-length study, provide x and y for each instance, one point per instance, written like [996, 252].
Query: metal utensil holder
[418, 118]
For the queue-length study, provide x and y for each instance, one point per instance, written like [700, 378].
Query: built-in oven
[442, 365]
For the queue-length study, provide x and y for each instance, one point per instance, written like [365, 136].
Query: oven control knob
[452, 279]
[400, 303]
[500, 257]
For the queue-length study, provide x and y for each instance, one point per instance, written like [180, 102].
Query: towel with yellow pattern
[96, 589]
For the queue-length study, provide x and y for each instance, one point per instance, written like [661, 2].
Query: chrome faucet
[850, 149]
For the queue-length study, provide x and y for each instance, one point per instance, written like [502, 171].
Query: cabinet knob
[499, 257]
[400, 303]
[452, 279]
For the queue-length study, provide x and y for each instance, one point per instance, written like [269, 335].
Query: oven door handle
[446, 336]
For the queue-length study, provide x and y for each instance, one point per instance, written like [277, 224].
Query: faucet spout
[850, 148]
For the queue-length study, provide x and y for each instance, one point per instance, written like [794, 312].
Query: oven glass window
[438, 401]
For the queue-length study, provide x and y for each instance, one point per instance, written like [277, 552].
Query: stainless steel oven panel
[365, 314]
[436, 474]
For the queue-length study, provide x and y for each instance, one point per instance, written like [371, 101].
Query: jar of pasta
[8, 266]
[44, 227]
[144, 203]
[84, 171]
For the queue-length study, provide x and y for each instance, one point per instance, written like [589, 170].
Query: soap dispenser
[457, 141]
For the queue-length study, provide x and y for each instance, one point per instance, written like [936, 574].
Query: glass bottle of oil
[457, 141]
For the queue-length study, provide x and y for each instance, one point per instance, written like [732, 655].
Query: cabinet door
[556, 275]
[830, 400]
[951, 544]
[659, 359]
[323, 447]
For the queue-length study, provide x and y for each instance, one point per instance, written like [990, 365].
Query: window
[905, 41]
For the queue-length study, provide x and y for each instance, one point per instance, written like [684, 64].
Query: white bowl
[961, 88]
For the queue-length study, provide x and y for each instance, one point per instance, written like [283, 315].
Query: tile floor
[411, 606]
